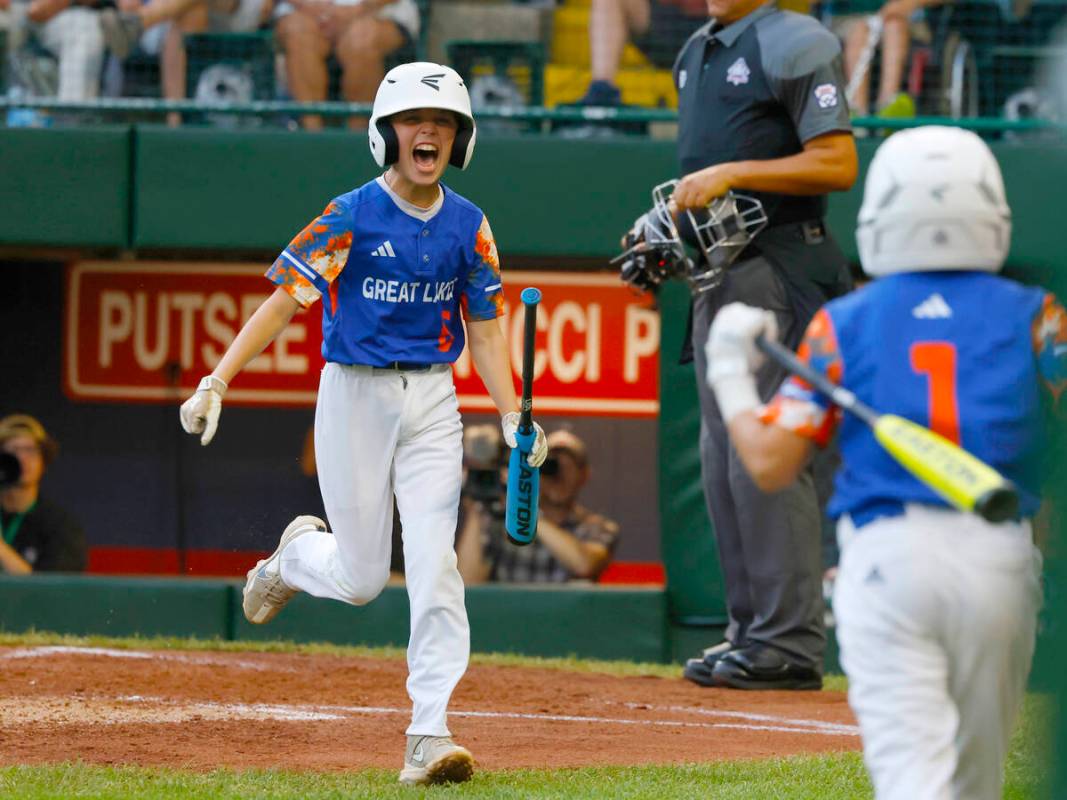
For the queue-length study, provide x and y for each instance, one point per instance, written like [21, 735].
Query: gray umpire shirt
[759, 89]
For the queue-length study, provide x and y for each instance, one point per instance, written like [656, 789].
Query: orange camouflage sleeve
[798, 407]
[1049, 332]
[309, 265]
[483, 295]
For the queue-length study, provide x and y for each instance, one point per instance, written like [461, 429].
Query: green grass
[833, 777]
[795, 778]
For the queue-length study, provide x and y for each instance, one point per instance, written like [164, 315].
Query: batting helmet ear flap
[462, 147]
[387, 140]
[420, 85]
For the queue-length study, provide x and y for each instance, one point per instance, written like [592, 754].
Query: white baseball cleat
[435, 759]
[265, 592]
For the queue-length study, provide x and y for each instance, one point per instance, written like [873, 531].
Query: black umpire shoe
[761, 667]
[698, 670]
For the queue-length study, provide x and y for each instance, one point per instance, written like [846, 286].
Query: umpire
[762, 111]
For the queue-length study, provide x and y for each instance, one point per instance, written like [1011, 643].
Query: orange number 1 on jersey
[937, 360]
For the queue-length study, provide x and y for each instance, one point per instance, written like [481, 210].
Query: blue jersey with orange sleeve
[393, 284]
[964, 353]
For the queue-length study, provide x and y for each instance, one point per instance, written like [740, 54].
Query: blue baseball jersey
[393, 284]
[964, 353]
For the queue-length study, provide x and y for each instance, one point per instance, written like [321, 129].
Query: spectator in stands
[125, 26]
[572, 542]
[901, 21]
[5, 15]
[360, 33]
[37, 534]
[67, 30]
[658, 28]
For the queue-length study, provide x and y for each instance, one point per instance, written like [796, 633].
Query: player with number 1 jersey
[936, 608]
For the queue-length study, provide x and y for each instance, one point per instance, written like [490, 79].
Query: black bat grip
[530, 298]
[998, 505]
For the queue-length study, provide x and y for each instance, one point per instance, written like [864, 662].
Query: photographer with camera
[35, 534]
[572, 542]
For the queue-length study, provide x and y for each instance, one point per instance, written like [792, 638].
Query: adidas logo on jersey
[385, 249]
[933, 307]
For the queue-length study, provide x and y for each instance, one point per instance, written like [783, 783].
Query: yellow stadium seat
[570, 39]
[652, 88]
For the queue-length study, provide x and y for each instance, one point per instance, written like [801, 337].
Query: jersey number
[937, 361]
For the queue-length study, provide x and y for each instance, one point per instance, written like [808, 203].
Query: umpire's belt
[812, 231]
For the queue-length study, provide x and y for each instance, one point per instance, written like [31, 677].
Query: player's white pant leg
[916, 598]
[992, 652]
[428, 470]
[897, 672]
[357, 423]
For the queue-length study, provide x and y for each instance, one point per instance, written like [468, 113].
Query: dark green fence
[205, 191]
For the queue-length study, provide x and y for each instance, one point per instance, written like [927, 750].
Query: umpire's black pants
[769, 544]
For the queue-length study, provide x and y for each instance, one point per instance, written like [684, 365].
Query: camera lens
[10, 469]
[551, 466]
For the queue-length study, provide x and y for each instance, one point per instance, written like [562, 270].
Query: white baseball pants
[936, 614]
[378, 432]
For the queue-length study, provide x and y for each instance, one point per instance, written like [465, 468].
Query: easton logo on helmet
[433, 80]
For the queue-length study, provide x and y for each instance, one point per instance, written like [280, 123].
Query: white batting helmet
[420, 84]
[934, 200]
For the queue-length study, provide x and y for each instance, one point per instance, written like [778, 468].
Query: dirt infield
[203, 710]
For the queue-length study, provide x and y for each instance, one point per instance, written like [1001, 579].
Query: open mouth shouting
[425, 156]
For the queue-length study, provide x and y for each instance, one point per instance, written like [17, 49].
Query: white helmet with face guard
[934, 200]
[420, 84]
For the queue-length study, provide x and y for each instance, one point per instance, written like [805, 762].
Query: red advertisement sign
[147, 332]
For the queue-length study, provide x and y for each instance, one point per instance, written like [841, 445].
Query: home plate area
[297, 711]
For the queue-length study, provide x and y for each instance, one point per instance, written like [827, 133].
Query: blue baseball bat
[524, 481]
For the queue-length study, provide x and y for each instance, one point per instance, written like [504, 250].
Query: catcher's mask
[655, 251]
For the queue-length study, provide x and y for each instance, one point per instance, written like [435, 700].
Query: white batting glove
[200, 413]
[509, 423]
[733, 356]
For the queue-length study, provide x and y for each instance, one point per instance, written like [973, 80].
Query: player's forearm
[489, 352]
[773, 456]
[826, 164]
[266, 323]
[582, 559]
[11, 562]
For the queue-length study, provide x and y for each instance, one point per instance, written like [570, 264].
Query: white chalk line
[333, 712]
[757, 722]
[710, 712]
[107, 652]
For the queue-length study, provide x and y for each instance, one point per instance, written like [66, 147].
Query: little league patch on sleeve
[826, 94]
[738, 72]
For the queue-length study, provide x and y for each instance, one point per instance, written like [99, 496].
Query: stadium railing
[123, 108]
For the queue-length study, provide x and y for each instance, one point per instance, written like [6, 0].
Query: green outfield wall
[608, 623]
[190, 189]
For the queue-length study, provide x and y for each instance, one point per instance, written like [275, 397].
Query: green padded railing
[141, 106]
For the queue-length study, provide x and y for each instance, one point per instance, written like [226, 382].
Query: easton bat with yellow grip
[966, 482]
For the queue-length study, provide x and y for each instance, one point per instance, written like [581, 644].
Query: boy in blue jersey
[936, 609]
[397, 263]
